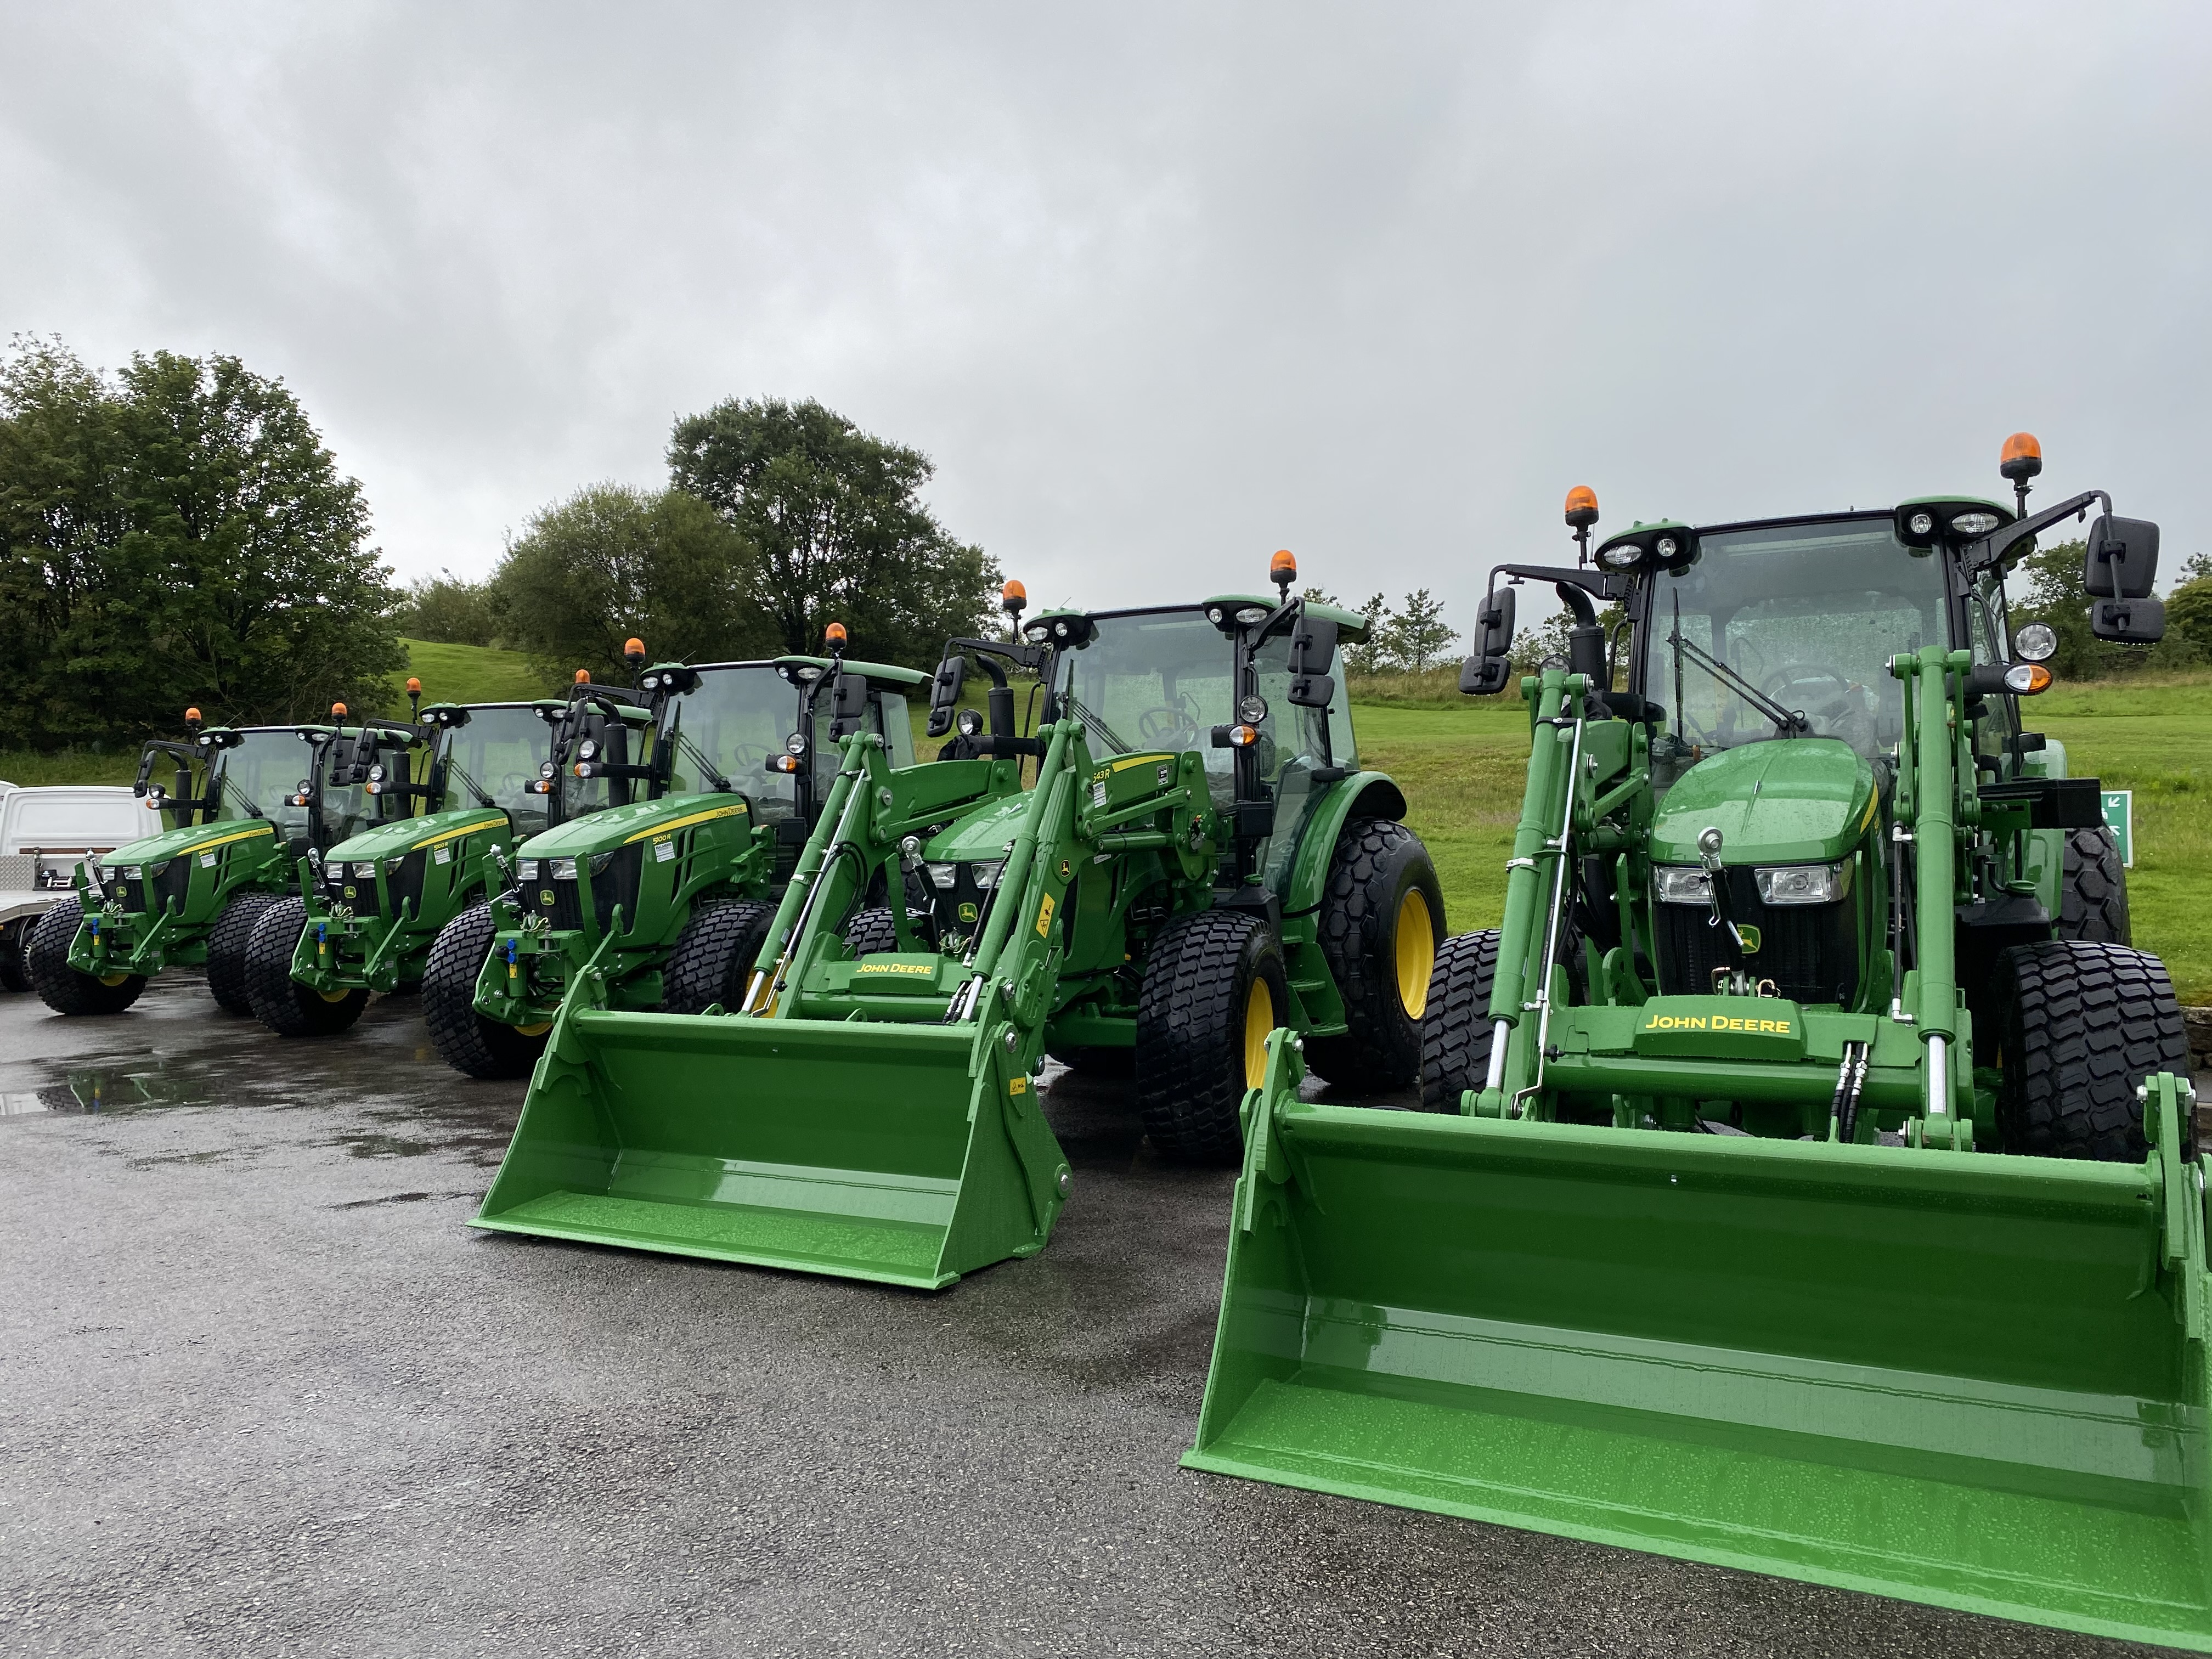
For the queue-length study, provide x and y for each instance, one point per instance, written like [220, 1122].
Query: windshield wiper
[1789, 722]
[722, 785]
[1097, 725]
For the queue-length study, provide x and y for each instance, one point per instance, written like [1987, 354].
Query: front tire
[464, 1038]
[871, 930]
[227, 943]
[1213, 989]
[2079, 1025]
[713, 958]
[2092, 890]
[282, 1003]
[1382, 922]
[60, 986]
[1455, 1029]
[15, 971]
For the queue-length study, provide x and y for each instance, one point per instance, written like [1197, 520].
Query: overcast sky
[1159, 289]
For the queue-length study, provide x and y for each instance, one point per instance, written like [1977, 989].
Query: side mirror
[1312, 648]
[848, 703]
[2128, 622]
[2121, 559]
[944, 692]
[1493, 636]
[1484, 677]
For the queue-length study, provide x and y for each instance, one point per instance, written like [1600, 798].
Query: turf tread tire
[1375, 861]
[871, 930]
[280, 1002]
[714, 956]
[2092, 891]
[2080, 1024]
[227, 943]
[464, 1038]
[60, 986]
[1190, 1030]
[1456, 1028]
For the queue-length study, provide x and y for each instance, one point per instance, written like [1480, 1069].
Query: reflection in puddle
[108, 1088]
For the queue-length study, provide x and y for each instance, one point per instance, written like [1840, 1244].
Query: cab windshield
[1161, 680]
[1790, 621]
[348, 808]
[726, 731]
[258, 778]
[493, 761]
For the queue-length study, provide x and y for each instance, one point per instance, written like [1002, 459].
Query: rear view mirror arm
[1997, 547]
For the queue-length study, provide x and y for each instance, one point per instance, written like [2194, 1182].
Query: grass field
[1460, 760]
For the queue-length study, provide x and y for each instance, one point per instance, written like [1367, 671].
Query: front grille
[1808, 951]
[405, 883]
[562, 901]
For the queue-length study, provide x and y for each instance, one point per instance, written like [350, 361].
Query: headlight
[985, 876]
[1677, 884]
[1252, 613]
[1253, 709]
[547, 769]
[650, 683]
[1801, 883]
[133, 872]
[1621, 555]
[364, 872]
[1666, 548]
[588, 750]
[943, 875]
[376, 772]
[1921, 524]
[526, 870]
[970, 723]
[795, 744]
[2036, 643]
[600, 860]
[1974, 524]
[391, 865]
[564, 869]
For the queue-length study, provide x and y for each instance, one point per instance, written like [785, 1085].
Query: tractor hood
[403, 835]
[982, 837]
[191, 838]
[1789, 800]
[617, 826]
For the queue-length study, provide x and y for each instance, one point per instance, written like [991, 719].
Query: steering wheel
[1155, 724]
[743, 755]
[1784, 680]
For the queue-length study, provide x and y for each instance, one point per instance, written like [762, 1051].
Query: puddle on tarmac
[144, 1086]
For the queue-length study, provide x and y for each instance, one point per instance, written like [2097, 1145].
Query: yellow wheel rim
[1417, 951]
[533, 1030]
[113, 979]
[1259, 1020]
[334, 996]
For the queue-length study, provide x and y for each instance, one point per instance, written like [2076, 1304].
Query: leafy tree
[612, 562]
[2188, 607]
[1367, 658]
[841, 533]
[176, 533]
[1415, 634]
[450, 611]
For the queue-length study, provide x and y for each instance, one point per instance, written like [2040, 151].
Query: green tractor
[1199, 860]
[687, 798]
[193, 893]
[1809, 1183]
[370, 909]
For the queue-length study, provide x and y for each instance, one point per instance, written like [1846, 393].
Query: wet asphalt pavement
[263, 1391]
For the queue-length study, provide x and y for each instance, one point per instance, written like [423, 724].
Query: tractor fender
[1364, 794]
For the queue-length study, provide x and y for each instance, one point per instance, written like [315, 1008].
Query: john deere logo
[348, 892]
[967, 912]
[921, 968]
[1718, 1022]
[545, 896]
[1750, 938]
[1066, 869]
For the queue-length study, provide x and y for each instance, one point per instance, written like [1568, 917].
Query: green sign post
[2120, 820]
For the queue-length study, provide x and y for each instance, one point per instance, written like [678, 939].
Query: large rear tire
[1213, 989]
[2079, 1025]
[2092, 890]
[464, 1038]
[713, 958]
[283, 1004]
[60, 986]
[1456, 1028]
[1382, 922]
[227, 943]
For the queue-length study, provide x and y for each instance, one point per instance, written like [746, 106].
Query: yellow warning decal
[1044, 916]
[1020, 1086]
[685, 823]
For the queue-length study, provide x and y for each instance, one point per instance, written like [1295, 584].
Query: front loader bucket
[1969, 1380]
[906, 1154]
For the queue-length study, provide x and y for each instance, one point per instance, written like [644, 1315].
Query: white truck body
[43, 831]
